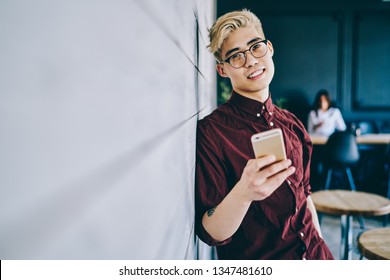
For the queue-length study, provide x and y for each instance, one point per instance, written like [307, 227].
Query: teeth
[257, 73]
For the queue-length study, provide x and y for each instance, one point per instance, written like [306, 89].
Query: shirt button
[301, 234]
[258, 114]
[270, 113]
[271, 124]
[263, 107]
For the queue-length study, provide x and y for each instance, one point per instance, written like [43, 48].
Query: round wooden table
[347, 204]
[374, 244]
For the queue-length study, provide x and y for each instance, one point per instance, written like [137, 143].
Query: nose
[250, 60]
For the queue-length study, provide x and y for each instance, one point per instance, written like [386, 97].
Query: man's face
[253, 79]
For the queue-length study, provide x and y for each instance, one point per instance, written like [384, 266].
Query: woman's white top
[332, 121]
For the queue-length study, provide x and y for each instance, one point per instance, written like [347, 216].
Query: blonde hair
[226, 24]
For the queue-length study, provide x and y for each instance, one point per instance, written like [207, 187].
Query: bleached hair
[226, 24]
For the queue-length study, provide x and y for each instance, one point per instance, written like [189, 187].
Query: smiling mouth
[256, 74]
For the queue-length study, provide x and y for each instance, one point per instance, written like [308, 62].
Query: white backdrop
[98, 109]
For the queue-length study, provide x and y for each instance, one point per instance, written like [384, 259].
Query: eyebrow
[229, 52]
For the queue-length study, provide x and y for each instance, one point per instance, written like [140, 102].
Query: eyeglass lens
[258, 50]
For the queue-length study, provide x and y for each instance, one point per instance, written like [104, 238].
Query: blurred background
[342, 46]
[99, 102]
[339, 45]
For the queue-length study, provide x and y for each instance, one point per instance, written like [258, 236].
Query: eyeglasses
[238, 60]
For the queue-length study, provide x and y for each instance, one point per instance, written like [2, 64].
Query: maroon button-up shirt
[278, 227]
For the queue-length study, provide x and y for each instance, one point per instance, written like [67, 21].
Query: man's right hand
[262, 176]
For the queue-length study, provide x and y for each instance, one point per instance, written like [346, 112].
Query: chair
[348, 204]
[374, 244]
[341, 152]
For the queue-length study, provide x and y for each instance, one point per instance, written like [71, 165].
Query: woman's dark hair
[317, 99]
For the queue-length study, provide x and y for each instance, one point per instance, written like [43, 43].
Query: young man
[252, 208]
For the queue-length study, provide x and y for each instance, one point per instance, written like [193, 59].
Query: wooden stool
[374, 244]
[348, 204]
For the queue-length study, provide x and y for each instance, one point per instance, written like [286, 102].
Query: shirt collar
[251, 106]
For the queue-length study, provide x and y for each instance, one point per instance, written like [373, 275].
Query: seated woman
[324, 119]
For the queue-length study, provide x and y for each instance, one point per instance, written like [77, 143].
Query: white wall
[98, 109]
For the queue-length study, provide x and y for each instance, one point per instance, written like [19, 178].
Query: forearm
[223, 221]
[314, 215]
[260, 178]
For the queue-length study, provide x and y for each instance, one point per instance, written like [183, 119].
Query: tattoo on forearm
[211, 211]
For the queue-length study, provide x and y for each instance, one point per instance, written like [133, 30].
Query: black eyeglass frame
[265, 41]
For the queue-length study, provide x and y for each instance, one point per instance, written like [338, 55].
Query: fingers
[277, 179]
[267, 166]
[275, 168]
[256, 164]
[277, 173]
[264, 175]
[274, 174]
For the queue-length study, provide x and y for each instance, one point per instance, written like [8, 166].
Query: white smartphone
[269, 142]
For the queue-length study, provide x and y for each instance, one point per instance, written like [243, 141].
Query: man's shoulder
[290, 118]
[285, 113]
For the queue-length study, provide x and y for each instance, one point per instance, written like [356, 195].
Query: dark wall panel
[306, 57]
[372, 62]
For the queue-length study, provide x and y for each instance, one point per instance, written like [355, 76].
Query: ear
[271, 48]
[221, 70]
